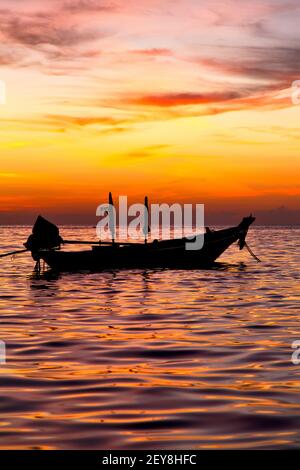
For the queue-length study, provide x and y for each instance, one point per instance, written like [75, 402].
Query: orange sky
[185, 101]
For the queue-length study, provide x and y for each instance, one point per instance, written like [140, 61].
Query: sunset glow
[185, 101]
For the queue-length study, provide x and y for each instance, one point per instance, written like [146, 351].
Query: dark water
[153, 359]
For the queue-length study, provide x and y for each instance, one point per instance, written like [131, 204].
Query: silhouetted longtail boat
[45, 242]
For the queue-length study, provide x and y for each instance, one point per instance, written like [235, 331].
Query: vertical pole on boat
[111, 215]
[146, 228]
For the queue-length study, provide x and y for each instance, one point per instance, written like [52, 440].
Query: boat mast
[111, 215]
[146, 228]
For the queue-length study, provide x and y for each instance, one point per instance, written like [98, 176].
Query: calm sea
[152, 359]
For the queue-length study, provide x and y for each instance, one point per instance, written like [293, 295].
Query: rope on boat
[251, 252]
[245, 244]
[11, 253]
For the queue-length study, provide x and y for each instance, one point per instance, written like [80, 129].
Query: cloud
[81, 121]
[154, 52]
[169, 106]
[273, 64]
[146, 152]
[106, 124]
[60, 123]
[38, 30]
[38, 38]
[81, 6]
[62, 40]
[9, 58]
[228, 14]
[167, 100]
[279, 216]
[115, 130]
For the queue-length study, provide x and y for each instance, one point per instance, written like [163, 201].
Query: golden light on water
[134, 359]
[185, 102]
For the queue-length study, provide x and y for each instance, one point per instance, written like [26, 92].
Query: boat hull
[163, 254]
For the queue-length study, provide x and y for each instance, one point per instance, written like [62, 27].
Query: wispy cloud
[38, 31]
[84, 120]
[167, 100]
[82, 6]
[48, 37]
[153, 52]
[273, 64]
[122, 75]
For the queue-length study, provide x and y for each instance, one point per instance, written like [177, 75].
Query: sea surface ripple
[155, 359]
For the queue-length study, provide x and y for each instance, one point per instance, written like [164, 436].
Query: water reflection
[153, 358]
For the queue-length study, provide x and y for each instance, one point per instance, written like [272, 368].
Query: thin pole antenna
[111, 215]
[146, 227]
